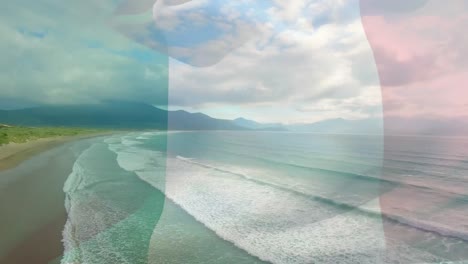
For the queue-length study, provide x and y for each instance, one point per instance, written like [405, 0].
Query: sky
[295, 61]
[67, 52]
[270, 61]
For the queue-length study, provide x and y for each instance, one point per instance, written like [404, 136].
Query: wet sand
[32, 199]
[11, 155]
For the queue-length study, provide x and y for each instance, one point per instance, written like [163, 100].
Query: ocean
[267, 197]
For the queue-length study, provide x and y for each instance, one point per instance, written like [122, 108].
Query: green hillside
[19, 134]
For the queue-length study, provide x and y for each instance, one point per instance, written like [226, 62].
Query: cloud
[289, 63]
[69, 54]
[307, 59]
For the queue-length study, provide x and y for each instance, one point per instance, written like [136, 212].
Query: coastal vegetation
[20, 134]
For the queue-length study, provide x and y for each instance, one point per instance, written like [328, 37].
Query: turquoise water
[259, 197]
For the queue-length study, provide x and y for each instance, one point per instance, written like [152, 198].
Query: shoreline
[13, 154]
[32, 207]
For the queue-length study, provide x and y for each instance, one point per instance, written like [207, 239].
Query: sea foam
[273, 224]
[268, 221]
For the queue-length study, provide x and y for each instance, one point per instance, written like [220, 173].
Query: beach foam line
[414, 223]
[203, 210]
[267, 220]
[142, 161]
[103, 202]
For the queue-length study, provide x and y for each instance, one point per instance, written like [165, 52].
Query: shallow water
[249, 197]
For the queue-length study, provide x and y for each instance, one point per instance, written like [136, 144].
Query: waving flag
[418, 50]
[301, 131]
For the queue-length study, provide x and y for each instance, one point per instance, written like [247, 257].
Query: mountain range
[125, 115]
[115, 115]
[250, 124]
[134, 115]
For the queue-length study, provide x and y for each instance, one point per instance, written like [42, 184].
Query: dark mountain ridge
[132, 115]
[116, 115]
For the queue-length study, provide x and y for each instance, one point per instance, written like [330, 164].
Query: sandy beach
[14, 153]
[32, 199]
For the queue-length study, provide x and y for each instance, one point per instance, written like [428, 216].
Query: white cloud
[289, 64]
[293, 61]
